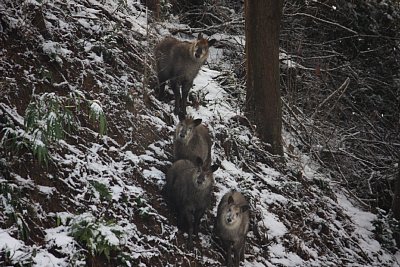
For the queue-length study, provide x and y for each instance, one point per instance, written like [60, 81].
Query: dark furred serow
[232, 225]
[192, 140]
[180, 62]
[188, 190]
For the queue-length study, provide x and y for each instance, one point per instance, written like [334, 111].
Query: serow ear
[230, 200]
[200, 36]
[244, 208]
[214, 167]
[197, 122]
[199, 162]
[211, 42]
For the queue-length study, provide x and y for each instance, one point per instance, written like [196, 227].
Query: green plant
[62, 218]
[385, 228]
[46, 119]
[14, 208]
[49, 114]
[6, 259]
[322, 184]
[97, 114]
[46, 75]
[98, 236]
[125, 259]
[23, 228]
[102, 189]
[13, 140]
[9, 258]
[40, 151]
[144, 211]
[140, 202]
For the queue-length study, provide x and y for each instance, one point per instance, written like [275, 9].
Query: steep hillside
[85, 146]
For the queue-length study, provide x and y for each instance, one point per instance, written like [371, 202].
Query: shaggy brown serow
[232, 225]
[180, 62]
[192, 140]
[188, 191]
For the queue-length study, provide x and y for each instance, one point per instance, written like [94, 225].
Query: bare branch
[324, 21]
[340, 90]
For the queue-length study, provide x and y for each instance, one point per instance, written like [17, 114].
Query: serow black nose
[200, 179]
[197, 55]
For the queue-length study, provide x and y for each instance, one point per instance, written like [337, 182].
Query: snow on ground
[217, 113]
[88, 168]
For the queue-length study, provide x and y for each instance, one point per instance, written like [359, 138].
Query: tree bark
[396, 196]
[154, 6]
[263, 98]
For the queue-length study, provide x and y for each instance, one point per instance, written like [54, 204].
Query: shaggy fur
[192, 140]
[232, 225]
[180, 62]
[188, 190]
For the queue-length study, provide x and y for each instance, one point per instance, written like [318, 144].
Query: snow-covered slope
[99, 200]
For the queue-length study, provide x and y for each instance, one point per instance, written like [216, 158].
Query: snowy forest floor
[97, 201]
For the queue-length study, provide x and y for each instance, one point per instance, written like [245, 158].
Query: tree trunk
[263, 98]
[154, 6]
[396, 196]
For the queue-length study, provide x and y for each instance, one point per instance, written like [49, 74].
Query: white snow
[54, 48]
[120, 174]
[47, 190]
[275, 227]
[7, 242]
[46, 259]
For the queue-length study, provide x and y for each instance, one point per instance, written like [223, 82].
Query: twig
[324, 21]
[340, 90]
[362, 250]
[366, 162]
[294, 115]
[369, 182]
[347, 182]
[195, 30]
[371, 141]
[296, 132]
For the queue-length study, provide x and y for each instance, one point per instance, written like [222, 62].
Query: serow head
[185, 128]
[202, 46]
[234, 212]
[200, 172]
[204, 172]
